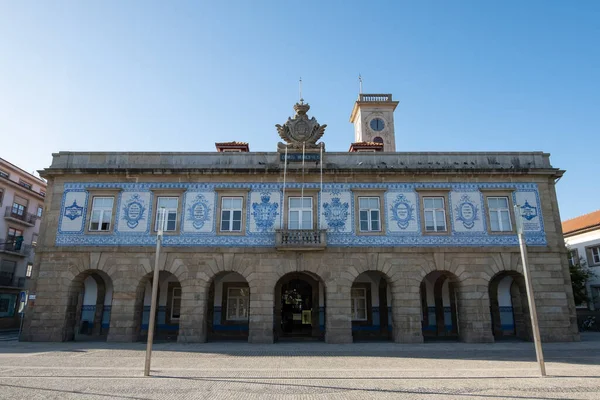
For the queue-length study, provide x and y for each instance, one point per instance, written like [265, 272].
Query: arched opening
[168, 308]
[509, 307]
[371, 307]
[439, 306]
[299, 307]
[228, 307]
[88, 308]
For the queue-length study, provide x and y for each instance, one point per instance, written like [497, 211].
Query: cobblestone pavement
[297, 371]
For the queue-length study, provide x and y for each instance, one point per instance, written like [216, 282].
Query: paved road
[9, 336]
[297, 371]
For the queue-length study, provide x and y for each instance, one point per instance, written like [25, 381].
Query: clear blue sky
[178, 76]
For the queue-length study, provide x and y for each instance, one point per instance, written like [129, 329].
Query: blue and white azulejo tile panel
[467, 212]
[199, 212]
[337, 211]
[402, 210]
[264, 211]
[134, 212]
[73, 212]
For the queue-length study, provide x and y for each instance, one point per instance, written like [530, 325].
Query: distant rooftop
[584, 222]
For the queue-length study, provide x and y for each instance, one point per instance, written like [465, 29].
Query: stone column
[407, 313]
[338, 319]
[192, 320]
[474, 320]
[125, 315]
[260, 323]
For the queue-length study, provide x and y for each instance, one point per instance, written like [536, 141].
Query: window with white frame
[300, 213]
[231, 214]
[175, 303]
[18, 209]
[169, 205]
[101, 217]
[29, 270]
[40, 211]
[435, 214]
[595, 253]
[498, 208]
[237, 303]
[369, 214]
[358, 297]
[573, 257]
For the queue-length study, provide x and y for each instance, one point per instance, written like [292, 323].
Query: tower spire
[359, 83]
[300, 89]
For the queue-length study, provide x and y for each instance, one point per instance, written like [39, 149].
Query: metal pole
[530, 298]
[161, 221]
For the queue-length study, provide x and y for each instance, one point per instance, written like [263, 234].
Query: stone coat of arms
[300, 131]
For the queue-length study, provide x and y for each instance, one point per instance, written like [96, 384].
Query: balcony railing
[14, 246]
[375, 97]
[24, 217]
[292, 239]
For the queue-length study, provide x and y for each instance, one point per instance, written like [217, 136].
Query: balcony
[12, 246]
[24, 218]
[376, 98]
[292, 239]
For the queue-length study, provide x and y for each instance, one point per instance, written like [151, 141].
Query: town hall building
[301, 243]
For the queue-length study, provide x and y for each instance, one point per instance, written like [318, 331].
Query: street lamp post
[530, 298]
[151, 323]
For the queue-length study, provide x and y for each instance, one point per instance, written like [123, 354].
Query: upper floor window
[13, 234]
[231, 214]
[101, 217]
[18, 209]
[358, 297]
[25, 184]
[434, 212]
[498, 208]
[43, 193]
[300, 213]
[593, 255]
[170, 206]
[29, 270]
[40, 211]
[369, 214]
[573, 257]
[4, 174]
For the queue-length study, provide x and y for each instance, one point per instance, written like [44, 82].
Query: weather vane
[300, 89]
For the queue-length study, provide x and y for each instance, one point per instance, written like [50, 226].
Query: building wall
[580, 243]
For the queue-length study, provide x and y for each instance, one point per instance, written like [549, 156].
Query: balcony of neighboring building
[14, 246]
[301, 239]
[19, 215]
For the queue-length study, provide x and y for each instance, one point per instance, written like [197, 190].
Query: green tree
[580, 275]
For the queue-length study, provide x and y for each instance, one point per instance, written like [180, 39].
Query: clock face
[377, 124]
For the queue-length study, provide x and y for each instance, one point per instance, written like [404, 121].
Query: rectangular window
[18, 209]
[498, 208]
[300, 213]
[101, 217]
[358, 297]
[170, 205]
[595, 255]
[13, 234]
[237, 303]
[8, 305]
[43, 193]
[573, 257]
[231, 214]
[434, 212]
[4, 174]
[25, 184]
[34, 239]
[29, 270]
[176, 303]
[7, 272]
[40, 211]
[369, 214]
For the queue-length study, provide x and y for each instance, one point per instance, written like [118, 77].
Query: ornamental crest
[402, 211]
[133, 211]
[466, 212]
[199, 211]
[300, 130]
[529, 211]
[73, 211]
[264, 213]
[336, 214]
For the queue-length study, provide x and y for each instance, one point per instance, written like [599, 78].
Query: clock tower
[373, 119]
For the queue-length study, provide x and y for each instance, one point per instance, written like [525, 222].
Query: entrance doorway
[297, 311]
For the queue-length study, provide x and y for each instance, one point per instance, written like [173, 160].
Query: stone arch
[509, 307]
[439, 305]
[371, 306]
[87, 317]
[299, 305]
[228, 307]
[168, 310]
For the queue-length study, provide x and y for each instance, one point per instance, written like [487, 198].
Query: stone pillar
[260, 324]
[338, 319]
[406, 313]
[125, 315]
[475, 323]
[192, 321]
[495, 308]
